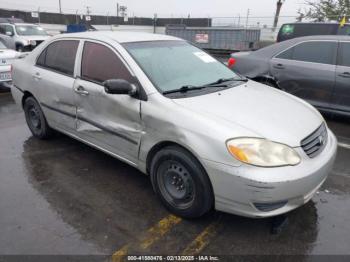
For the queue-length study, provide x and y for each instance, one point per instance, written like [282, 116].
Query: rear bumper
[5, 69]
[252, 191]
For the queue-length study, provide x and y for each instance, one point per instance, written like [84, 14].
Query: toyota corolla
[207, 137]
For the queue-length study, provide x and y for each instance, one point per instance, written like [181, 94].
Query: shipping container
[217, 38]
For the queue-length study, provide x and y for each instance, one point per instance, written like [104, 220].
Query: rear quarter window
[59, 56]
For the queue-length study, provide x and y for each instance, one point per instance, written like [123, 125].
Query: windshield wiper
[183, 89]
[219, 83]
[223, 80]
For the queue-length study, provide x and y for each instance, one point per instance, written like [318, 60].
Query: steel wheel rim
[176, 184]
[34, 117]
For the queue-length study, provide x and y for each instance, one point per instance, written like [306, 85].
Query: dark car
[293, 30]
[315, 68]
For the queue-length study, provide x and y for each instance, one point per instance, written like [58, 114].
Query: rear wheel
[36, 120]
[181, 182]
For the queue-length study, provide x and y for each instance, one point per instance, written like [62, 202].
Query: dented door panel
[110, 121]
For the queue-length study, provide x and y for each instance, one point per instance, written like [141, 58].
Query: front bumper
[236, 189]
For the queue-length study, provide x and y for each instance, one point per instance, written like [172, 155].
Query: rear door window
[100, 63]
[9, 28]
[344, 54]
[59, 56]
[322, 52]
[2, 29]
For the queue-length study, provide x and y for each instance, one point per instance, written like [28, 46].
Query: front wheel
[36, 120]
[181, 182]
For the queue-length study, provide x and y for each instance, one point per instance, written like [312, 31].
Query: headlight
[262, 152]
[32, 42]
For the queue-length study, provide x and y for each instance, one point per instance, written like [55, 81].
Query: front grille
[316, 142]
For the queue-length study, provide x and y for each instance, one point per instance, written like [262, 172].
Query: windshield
[30, 30]
[2, 46]
[171, 65]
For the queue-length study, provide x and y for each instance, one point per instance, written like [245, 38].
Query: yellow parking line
[202, 240]
[159, 230]
[151, 236]
[118, 256]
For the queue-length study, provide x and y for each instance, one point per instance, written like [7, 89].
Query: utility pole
[88, 11]
[246, 22]
[155, 23]
[60, 6]
[76, 16]
[39, 14]
[277, 15]
[117, 9]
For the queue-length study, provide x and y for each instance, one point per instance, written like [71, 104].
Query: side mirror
[119, 87]
[9, 33]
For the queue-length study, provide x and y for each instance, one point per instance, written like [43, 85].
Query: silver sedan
[208, 138]
[7, 56]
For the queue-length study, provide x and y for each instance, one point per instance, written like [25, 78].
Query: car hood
[8, 54]
[35, 37]
[263, 110]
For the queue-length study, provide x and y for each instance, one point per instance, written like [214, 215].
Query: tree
[326, 10]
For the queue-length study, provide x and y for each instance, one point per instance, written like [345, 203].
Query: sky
[164, 8]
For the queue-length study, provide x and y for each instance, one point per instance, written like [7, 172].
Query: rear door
[53, 76]
[341, 97]
[111, 122]
[307, 70]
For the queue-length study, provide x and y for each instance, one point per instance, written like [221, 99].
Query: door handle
[279, 66]
[36, 76]
[345, 74]
[81, 91]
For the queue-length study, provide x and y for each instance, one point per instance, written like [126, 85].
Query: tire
[181, 182]
[269, 82]
[36, 120]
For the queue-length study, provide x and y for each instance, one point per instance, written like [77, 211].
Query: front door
[111, 122]
[307, 71]
[341, 96]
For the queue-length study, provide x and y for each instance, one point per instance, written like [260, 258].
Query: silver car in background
[26, 36]
[207, 137]
[7, 56]
[314, 68]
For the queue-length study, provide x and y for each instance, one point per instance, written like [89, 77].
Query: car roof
[314, 23]
[24, 24]
[323, 37]
[9, 23]
[271, 50]
[120, 37]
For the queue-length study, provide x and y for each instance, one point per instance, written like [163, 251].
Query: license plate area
[5, 76]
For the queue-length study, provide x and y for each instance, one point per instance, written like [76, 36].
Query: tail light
[231, 62]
